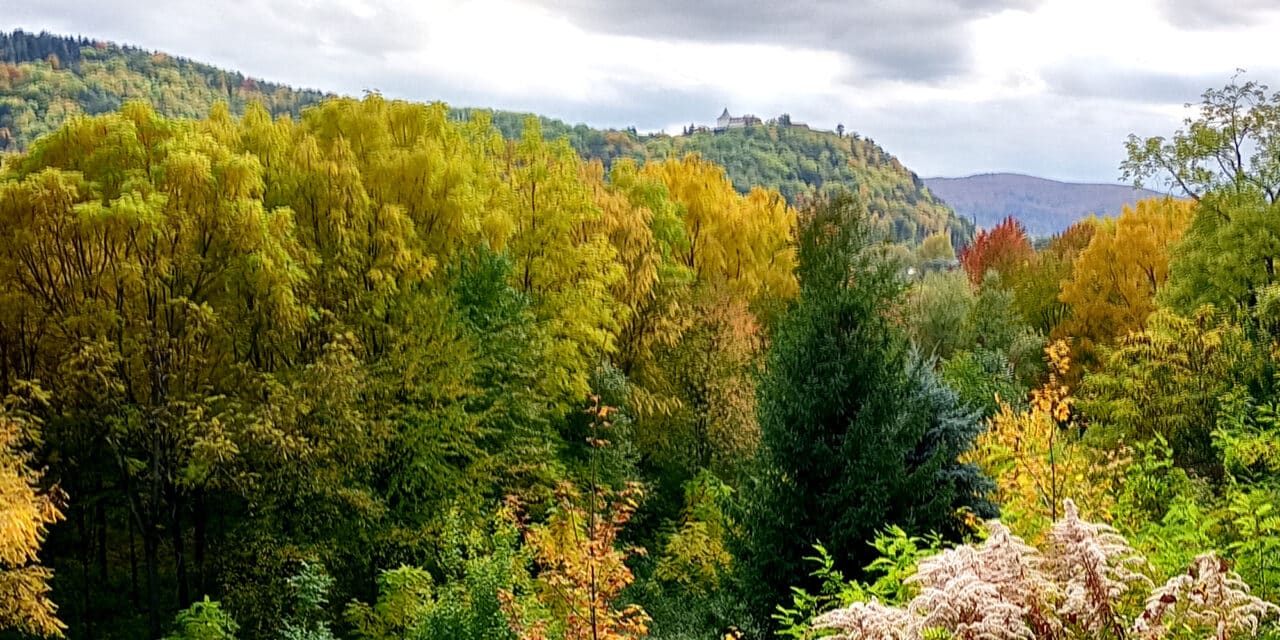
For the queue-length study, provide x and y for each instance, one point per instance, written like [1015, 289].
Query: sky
[951, 87]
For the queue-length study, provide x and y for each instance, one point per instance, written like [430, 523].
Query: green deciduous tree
[1168, 381]
[938, 310]
[1227, 159]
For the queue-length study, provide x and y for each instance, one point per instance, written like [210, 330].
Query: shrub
[1087, 582]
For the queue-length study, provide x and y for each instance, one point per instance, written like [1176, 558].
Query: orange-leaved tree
[582, 568]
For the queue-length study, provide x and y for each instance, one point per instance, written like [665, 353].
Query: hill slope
[1044, 206]
[802, 162]
[797, 161]
[44, 79]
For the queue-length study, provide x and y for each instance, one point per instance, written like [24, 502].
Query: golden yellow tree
[25, 512]
[1114, 280]
[562, 257]
[734, 241]
[936, 250]
[706, 265]
[644, 228]
[1037, 458]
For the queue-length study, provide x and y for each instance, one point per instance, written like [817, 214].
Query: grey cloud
[1098, 79]
[897, 39]
[1077, 140]
[1074, 132]
[1203, 14]
[302, 42]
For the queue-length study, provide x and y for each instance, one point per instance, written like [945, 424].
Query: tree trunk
[86, 553]
[103, 570]
[200, 518]
[151, 552]
[133, 567]
[179, 552]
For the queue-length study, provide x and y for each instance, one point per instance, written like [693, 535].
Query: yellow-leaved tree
[734, 241]
[730, 261]
[1115, 279]
[25, 512]
[561, 256]
[1037, 458]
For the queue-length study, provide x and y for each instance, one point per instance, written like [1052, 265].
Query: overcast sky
[951, 87]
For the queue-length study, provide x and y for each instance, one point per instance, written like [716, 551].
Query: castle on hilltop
[726, 121]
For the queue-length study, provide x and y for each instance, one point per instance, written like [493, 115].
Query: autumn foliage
[582, 568]
[1001, 249]
[26, 511]
[352, 347]
[1114, 281]
[1037, 457]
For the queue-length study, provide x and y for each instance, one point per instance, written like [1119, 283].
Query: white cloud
[1048, 87]
[511, 49]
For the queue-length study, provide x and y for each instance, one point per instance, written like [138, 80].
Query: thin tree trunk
[151, 552]
[200, 521]
[133, 566]
[86, 554]
[103, 570]
[179, 553]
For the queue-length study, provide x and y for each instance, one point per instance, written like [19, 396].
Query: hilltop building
[726, 121]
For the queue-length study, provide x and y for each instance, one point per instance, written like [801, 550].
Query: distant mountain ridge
[46, 78]
[1045, 207]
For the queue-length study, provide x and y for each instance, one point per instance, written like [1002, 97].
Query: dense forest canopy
[377, 370]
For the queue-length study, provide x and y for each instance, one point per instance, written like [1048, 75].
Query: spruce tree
[854, 436]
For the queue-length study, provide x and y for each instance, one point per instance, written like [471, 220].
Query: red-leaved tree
[1002, 249]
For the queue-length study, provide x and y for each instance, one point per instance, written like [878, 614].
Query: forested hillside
[1044, 207]
[803, 163]
[45, 79]
[797, 161]
[381, 372]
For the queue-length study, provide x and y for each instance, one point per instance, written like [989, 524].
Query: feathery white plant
[1207, 596]
[868, 621]
[1005, 589]
[995, 590]
[1094, 565]
[969, 608]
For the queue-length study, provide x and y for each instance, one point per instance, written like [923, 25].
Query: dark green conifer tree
[853, 437]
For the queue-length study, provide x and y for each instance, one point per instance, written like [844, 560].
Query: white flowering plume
[868, 621]
[1005, 589]
[996, 590]
[1095, 566]
[1207, 596]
